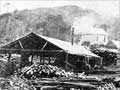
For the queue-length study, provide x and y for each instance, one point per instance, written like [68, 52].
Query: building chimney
[72, 35]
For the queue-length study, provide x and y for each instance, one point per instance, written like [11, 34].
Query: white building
[84, 28]
[94, 36]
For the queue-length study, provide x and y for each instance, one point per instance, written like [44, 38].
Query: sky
[105, 8]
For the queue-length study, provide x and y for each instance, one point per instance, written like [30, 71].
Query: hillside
[52, 22]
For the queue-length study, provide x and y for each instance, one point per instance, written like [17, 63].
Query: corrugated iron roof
[68, 47]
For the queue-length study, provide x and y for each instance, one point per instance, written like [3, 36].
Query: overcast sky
[106, 8]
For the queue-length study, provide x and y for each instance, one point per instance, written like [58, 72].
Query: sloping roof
[66, 46]
[116, 43]
[91, 31]
[98, 31]
[71, 49]
[113, 44]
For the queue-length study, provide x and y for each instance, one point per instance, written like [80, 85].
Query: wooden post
[101, 61]
[21, 61]
[49, 60]
[82, 88]
[9, 58]
[97, 40]
[40, 59]
[32, 59]
[88, 59]
[72, 36]
[66, 60]
[43, 60]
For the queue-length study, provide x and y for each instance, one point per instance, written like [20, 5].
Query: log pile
[14, 83]
[42, 71]
[109, 57]
[107, 86]
[48, 77]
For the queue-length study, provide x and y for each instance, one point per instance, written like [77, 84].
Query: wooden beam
[80, 85]
[44, 45]
[8, 50]
[5, 50]
[49, 87]
[21, 44]
[70, 64]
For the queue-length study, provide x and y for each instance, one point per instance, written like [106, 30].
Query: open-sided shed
[33, 44]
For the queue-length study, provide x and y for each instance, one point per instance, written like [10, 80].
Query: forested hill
[53, 22]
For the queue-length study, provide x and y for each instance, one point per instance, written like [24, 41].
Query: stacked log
[42, 71]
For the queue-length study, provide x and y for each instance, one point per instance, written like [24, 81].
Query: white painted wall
[95, 39]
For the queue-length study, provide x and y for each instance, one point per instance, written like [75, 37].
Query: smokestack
[72, 35]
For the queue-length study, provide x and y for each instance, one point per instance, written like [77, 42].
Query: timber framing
[18, 51]
[47, 49]
[21, 44]
[44, 45]
[37, 43]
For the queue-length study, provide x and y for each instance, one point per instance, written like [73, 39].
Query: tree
[55, 27]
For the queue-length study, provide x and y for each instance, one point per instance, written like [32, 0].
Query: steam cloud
[83, 24]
